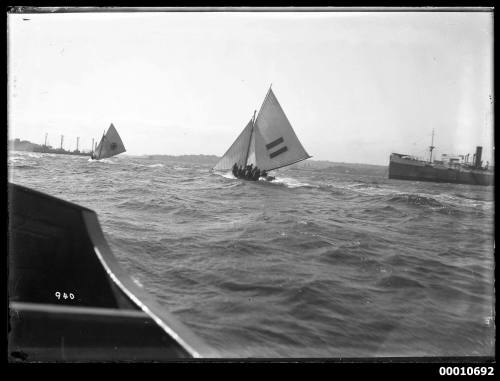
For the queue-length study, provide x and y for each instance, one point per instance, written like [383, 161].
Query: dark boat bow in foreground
[70, 300]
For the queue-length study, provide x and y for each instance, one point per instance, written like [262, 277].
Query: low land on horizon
[25, 145]
[352, 168]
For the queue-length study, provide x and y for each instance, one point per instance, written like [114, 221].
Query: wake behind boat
[110, 145]
[267, 142]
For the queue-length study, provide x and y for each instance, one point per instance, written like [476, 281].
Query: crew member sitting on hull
[256, 174]
[248, 172]
[240, 172]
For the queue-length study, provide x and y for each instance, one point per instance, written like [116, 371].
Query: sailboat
[110, 145]
[267, 142]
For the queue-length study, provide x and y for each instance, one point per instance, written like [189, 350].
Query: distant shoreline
[26, 146]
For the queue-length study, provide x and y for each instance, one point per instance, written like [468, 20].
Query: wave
[16, 158]
[286, 181]
[157, 165]
[443, 204]
[371, 190]
[332, 190]
[290, 182]
[465, 201]
[363, 185]
[23, 166]
[341, 255]
[416, 199]
[469, 197]
[397, 281]
[343, 188]
[132, 204]
[33, 154]
[485, 197]
[304, 262]
[226, 175]
[23, 162]
[102, 161]
[251, 288]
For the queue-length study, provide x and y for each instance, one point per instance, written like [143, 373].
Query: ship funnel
[478, 163]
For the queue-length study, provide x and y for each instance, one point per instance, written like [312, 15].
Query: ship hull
[416, 170]
[62, 152]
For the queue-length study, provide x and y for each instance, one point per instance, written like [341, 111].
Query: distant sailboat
[110, 145]
[267, 142]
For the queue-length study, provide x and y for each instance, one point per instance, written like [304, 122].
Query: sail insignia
[275, 143]
[276, 153]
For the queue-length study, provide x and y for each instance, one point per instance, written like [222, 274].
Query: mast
[77, 140]
[253, 124]
[46, 134]
[62, 138]
[250, 140]
[431, 147]
[92, 146]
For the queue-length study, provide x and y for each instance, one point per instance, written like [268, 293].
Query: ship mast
[431, 147]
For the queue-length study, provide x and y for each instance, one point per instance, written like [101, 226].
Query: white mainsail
[237, 153]
[267, 142]
[110, 145]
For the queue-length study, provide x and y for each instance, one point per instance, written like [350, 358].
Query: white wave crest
[102, 161]
[227, 175]
[290, 182]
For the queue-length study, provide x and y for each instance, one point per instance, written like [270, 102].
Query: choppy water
[318, 264]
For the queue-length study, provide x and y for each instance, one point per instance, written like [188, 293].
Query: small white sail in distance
[110, 145]
[268, 142]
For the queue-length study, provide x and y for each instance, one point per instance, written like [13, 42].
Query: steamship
[450, 169]
[49, 149]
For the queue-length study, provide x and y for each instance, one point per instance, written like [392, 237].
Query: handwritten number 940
[64, 295]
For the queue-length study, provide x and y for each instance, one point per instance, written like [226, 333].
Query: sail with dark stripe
[282, 147]
[268, 142]
[110, 145]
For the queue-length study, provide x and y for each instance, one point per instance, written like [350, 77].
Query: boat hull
[70, 300]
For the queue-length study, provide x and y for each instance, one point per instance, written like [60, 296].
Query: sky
[355, 86]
